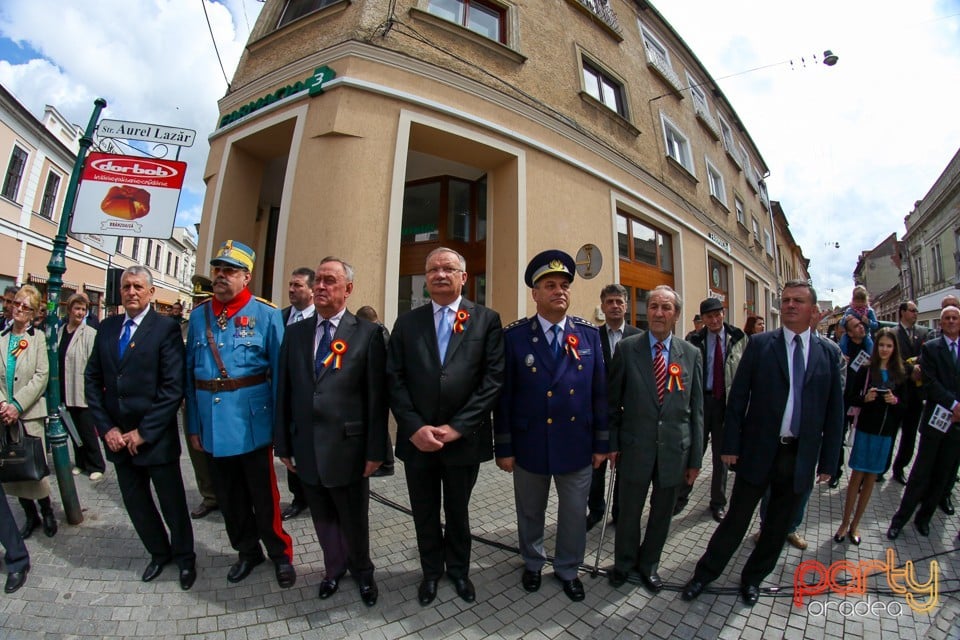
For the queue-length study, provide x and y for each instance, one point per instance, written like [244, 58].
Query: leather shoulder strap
[208, 315]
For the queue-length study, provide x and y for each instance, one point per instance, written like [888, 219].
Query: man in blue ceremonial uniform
[551, 421]
[233, 351]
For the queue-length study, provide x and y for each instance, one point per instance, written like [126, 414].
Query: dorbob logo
[134, 167]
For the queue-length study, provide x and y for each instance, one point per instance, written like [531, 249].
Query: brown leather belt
[230, 384]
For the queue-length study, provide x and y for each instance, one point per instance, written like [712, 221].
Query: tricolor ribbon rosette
[337, 349]
[461, 319]
[21, 347]
[572, 343]
[675, 377]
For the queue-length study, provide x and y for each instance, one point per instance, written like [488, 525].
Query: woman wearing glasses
[23, 381]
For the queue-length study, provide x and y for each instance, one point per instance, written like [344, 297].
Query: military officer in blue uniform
[551, 420]
[233, 346]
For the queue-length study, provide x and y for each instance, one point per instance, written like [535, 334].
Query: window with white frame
[49, 200]
[936, 263]
[738, 206]
[745, 163]
[655, 47]
[15, 168]
[767, 242]
[756, 230]
[296, 9]
[677, 144]
[602, 87]
[918, 272]
[489, 19]
[135, 250]
[715, 178]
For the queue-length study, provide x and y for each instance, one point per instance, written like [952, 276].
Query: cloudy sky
[850, 148]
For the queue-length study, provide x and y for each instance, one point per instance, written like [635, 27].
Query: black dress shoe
[750, 594]
[653, 582]
[592, 519]
[31, 523]
[898, 476]
[187, 577]
[573, 589]
[203, 510]
[530, 580]
[427, 591]
[368, 591]
[153, 570]
[382, 472]
[946, 505]
[616, 578]
[242, 568]
[679, 506]
[286, 574]
[15, 580]
[49, 524]
[328, 587]
[292, 511]
[464, 588]
[923, 528]
[893, 532]
[718, 513]
[834, 482]
[880, 478]
[692, 589]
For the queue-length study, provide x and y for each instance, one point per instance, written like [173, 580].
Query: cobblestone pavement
[85, 582]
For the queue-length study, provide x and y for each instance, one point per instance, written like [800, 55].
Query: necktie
[660, 371]
[799, 368]
[718, 383]
[444, 330]
[614, 337]
[954, 348]
[557, 341]
[297, 317]
[323, 348]
[126, 335]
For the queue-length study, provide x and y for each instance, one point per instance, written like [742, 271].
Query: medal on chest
[244, 326]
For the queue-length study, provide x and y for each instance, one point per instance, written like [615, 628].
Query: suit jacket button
[573, 418]
[216, 401]
[549, 420]
[549, 394]
[571, 391]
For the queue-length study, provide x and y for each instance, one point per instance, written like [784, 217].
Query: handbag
[22, 457]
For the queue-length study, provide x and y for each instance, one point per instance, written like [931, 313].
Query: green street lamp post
[56, 434]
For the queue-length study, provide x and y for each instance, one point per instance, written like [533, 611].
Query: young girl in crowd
[878, 391]
[859, 307]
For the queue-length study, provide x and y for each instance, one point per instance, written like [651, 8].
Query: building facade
[379, 130]
[39, 157]
[932, 245]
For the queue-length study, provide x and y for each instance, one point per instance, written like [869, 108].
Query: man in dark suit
[784, 422]
[300, 294]
[551, 421]
[332, 419]
[910, 338]
[656, 434]
[134, 385]
[445, 370]
[721, 346]
[613, 303]
[939, 451]
[9, 293]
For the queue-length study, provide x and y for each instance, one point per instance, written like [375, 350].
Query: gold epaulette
[265, 301]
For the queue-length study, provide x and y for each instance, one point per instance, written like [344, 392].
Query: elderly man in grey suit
[656, 433]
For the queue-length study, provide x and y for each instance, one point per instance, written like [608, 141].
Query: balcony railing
[707, 120]
[601, 9]
[662, 66]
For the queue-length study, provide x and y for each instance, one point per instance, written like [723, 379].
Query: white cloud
[852, 147]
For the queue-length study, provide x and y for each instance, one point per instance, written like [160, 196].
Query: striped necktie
[660, 371]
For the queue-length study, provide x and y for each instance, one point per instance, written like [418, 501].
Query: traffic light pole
[56, 434]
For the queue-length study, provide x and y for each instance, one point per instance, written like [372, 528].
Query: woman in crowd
[76, 344]
[878, 391]
[23, 381]
[755, 324]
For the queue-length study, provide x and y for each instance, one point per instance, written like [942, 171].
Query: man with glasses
[444, 370]
[233, 354]
[910, 338]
